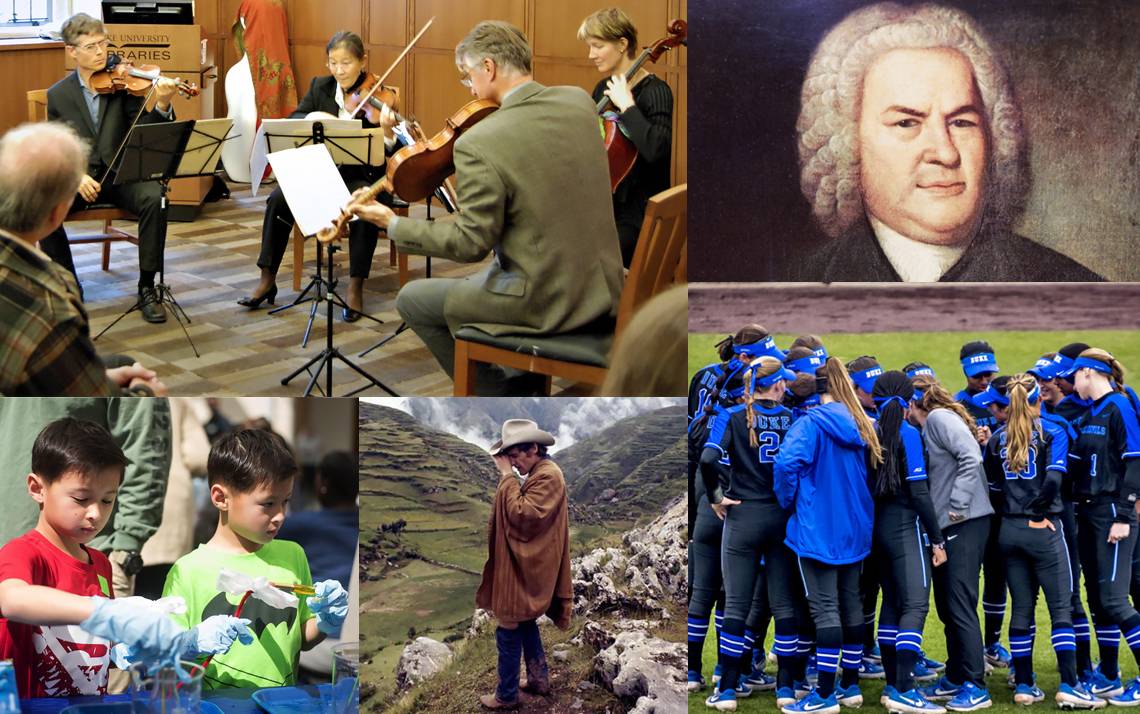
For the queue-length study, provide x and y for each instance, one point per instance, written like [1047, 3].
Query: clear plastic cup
[345, 681]
[163, 691]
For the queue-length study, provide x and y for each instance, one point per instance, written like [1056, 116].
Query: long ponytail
[1022, 422]
[758, 369]
[892, 391]
[841, 389]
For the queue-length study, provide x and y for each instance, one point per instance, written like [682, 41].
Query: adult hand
[955, 516]
[983, 435]
[164, 89]
[938, 556]
[387, 119]
[721, 509]
[215, 635]
[89, 189]
[330, 605]
[1118, 532]
[136, 375]
[1046, 523]
[617, 89]
[503, 463]
[372, 211]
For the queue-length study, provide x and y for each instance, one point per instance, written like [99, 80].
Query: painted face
[606, 54]
[923, 146]
[345, 66]
[89, 51]
[980, 381]
[523, 460]
[77, 506]
[257, 515]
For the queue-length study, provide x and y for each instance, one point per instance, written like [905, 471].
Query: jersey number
[769, 445]
[1092, 466]
[1030, 471]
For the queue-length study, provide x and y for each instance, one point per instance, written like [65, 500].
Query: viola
[374, 97]
[619, 149]
[417, 170]
[119, 76]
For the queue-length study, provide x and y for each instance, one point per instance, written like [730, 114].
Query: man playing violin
[104, 120]
[533, 187]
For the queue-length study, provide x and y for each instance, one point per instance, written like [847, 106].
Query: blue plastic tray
[291, 700]
[204, 707]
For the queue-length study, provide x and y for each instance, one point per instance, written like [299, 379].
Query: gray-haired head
[827, 128]
[41, 165]
[500, 41]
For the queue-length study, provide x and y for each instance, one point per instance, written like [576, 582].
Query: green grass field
[1016, 351]
[934, 643]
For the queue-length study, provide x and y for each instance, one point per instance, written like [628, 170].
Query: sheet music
[203, 150]
[313, 187]
[287, 134]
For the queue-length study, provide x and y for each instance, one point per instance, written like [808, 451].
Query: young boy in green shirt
[251, 476]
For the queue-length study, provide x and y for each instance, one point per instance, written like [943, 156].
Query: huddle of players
[821, 482]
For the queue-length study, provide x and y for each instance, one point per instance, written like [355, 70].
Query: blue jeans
[512, 644]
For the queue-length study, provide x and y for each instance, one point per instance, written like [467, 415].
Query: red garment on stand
[266, 43]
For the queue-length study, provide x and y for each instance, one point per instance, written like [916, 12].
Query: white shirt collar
[339, 97]
[914, 261]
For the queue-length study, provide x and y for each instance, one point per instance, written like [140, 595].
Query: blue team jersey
[982, 416]
[702, 387]
[750, 468]
[1048, 451]
[1108, 435]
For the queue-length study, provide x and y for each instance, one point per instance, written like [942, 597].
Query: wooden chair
[105, 212]
[299, 254]
[583, 357]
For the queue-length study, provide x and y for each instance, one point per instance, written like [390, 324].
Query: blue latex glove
[330, 605]
[151, 636]
[216, 634]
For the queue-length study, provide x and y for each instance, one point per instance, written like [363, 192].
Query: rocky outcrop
[645, 670]
[422, 659]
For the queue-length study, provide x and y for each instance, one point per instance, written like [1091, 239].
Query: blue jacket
[821, 475]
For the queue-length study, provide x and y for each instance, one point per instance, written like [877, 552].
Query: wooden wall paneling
[318, 21]
[552, 72]
[388, 23]
[227, 14]
[437, 91]
[206, 15]
[309, 62]
[37, 67]
[556, 25]
[454, 19]
[680, 126]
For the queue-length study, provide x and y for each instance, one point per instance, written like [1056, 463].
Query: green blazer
[533, 187]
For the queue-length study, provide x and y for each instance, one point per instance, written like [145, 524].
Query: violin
[370, 99]
[417, 170]
[119, 76]
[619, 149]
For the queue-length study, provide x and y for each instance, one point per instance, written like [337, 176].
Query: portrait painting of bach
[918, 142]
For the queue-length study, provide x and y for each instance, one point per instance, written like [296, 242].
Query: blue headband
[977, 363]
[809, 364]
[821, 353]
[736, 393]
[920, 370]
[882, 402]
[917, 396]
[865, 380]
[764, 348]
[782, 374]
[1094, 364]
[1045, 368]
[1064, 365]
[993, 396]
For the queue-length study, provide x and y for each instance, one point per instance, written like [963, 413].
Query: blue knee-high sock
[1084, 647]
[908, 650]
[1131, 630]
[851, 656]
[1065, 645]
[887, 634]
[731, 649]
[1108, 643]
[803, 652]
[1021, 647]
[994, 613]
[746, 656]
[827, 653]
[698, 629]
[785, 646]
[718, 619]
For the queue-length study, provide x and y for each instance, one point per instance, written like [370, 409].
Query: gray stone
[421, 660]
[646, 671]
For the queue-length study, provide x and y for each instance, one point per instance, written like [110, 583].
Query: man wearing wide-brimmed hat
[527, 574]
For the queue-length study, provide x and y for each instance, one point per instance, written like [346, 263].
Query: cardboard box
[174, 48]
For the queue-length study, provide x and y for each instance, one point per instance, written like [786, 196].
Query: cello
[619, 149]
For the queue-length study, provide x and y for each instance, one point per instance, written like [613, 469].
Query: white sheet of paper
[313, 187]
[299, 131]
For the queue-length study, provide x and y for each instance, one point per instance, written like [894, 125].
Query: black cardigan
[649, 124]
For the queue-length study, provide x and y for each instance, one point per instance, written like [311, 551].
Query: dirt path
[937, 307]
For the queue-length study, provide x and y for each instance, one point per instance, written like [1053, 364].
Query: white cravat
[914, 261]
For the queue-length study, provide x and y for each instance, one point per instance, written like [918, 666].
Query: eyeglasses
[92, 46]
[342, 65]
[465, 78]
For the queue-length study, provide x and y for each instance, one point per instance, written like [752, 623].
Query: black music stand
[152, 152]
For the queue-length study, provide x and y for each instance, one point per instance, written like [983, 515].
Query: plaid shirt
[45, 345]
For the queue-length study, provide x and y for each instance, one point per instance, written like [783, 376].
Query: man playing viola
[104, 120]
[533, 188]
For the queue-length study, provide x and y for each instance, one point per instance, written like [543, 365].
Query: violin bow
[366, 97]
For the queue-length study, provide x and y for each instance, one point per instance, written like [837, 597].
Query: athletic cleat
[716, 675]
[722, 701]
[743, 691]
[998, 656]
[887, 691]
[1026, 695]
[911, 702]
[871, 670]
[813, 704]
[1076, 698]
[1011, 681]
[696, 681]
[970, 699]
[922, 674]
[759, 660]
[851, 697]
[802, 690]
[987, 668]
[785, 696]
[1101, 686]
[873, 654]
[932, 664]
[941, 691]
[1130, 697]
[760, 682]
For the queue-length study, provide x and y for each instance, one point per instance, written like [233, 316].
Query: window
[25, 12]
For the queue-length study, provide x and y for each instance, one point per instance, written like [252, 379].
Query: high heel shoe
[255, 302]
[349, 315]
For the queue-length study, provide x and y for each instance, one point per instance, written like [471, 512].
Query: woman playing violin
[104, 120]
[326, 98]
[645, 103]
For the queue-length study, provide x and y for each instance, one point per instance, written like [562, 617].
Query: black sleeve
[650, 121]
[308, 102]
[919, 493]
[710, 474]
[991, 462]
[1130, 484]
[1049, 489]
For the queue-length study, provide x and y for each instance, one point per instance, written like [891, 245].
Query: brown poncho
[528, 551]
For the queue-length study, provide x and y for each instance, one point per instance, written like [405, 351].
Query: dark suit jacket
[995, 255]
[321, 97]
[116, 112]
